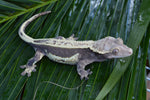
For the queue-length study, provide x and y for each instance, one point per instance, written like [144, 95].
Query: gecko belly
[65, 60]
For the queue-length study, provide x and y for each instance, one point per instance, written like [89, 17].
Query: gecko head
[112, 47]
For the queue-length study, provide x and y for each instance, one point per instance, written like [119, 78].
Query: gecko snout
[130, 51]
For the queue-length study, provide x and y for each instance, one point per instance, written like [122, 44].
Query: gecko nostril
[130, 51]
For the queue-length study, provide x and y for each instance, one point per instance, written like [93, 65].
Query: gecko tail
[22, 33]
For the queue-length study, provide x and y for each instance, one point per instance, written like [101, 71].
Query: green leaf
[10, 5]
[139, 29]
[12, 10]
[116, 79]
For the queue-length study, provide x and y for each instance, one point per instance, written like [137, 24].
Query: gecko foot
[28, 70]
[84, 74]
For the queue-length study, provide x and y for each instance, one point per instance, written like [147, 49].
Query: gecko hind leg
[81, 69]
[30, 66]
[72, 37]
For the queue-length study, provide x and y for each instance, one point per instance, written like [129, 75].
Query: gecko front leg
[30, 66]
[81, 69]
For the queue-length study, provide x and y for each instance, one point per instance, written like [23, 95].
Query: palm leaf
[87, 20]
[15, 8]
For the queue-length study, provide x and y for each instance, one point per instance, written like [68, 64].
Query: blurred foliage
[116, 79]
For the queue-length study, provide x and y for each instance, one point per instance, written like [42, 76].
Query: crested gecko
[70, 51]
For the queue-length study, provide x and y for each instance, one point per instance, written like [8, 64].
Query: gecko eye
[115, 51]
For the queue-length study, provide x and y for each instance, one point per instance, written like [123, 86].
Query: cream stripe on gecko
[66, 60]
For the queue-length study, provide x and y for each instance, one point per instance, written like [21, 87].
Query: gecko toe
[23, 73]
[89, 71]
[34, 70]
[23, 66]
[86, 78]
[29, 74]
[81, 77]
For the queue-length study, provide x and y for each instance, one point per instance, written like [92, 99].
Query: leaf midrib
[28, 10]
